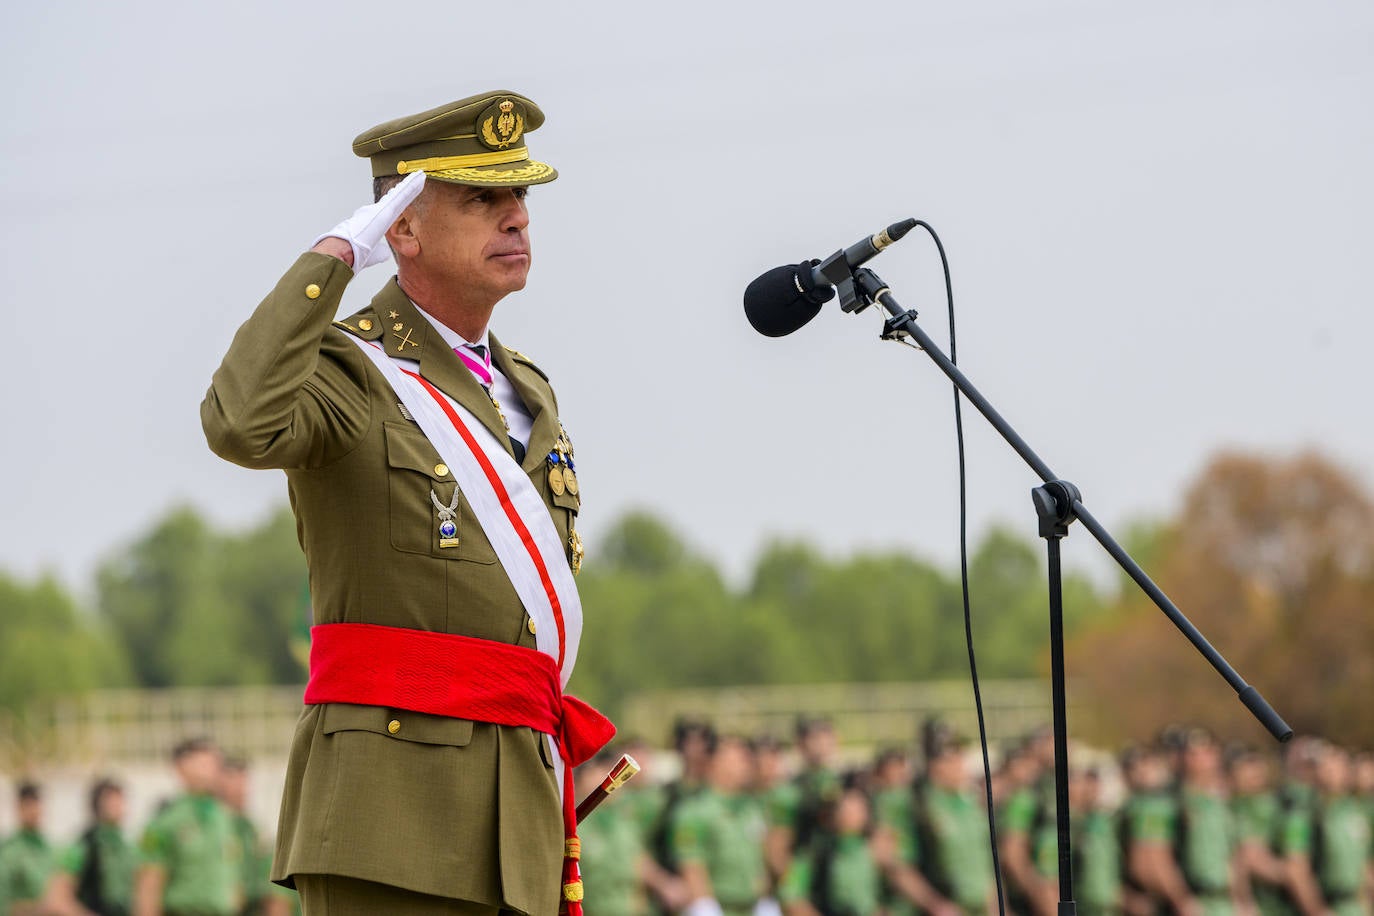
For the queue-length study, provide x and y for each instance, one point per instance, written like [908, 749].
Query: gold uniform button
[312, 291]
[441, 470]
[530, 626]
[365, 324]
[393, 726]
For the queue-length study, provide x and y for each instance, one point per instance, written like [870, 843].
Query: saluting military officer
[435, 493]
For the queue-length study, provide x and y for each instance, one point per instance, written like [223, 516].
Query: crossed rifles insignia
[502, 125]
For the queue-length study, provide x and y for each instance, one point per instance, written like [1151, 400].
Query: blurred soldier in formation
[1096, 851]
[794, 812]
[191, 855]
[1028, 805]
[769, 790]
[695, 743]
[1152, 877]
[256, 861]
[838, 873]
[612, 847]
[26, 859]
[615, 860]
[1204, 835]
[951, 824]
[641, 799]
[898, 807]
[1255, 808]
[717, 838]
[894, 814]
[1327, 843]
[96, 873]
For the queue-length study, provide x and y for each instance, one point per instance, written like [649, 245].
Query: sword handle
[624, 770]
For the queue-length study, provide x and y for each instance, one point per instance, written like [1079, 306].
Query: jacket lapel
[536, 394]
[416, 339]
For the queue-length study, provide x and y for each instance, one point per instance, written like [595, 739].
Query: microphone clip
[839, 274]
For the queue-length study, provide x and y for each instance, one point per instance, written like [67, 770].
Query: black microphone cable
[963, 573]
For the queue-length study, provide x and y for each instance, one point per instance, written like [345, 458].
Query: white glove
[366, 229]
[702, 906]
[767, 907]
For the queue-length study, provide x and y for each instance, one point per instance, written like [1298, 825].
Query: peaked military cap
[479, 140]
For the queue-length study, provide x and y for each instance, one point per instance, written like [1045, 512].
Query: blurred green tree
[196, 607]
[48, 648]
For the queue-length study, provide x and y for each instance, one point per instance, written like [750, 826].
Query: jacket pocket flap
[400, 724]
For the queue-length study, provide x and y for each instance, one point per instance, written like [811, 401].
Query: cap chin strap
[472, 160]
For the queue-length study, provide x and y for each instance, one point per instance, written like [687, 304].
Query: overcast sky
[1158, 217]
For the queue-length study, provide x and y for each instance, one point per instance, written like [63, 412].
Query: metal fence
[141, 726]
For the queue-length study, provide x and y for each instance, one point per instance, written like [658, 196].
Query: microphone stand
[1058, 504]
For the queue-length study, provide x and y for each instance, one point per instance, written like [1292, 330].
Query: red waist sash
[464, 678]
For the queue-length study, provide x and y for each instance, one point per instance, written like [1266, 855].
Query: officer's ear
[402, 237]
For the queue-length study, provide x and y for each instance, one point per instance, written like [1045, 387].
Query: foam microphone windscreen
[776, 308]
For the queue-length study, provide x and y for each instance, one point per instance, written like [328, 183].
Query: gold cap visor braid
[479, 141]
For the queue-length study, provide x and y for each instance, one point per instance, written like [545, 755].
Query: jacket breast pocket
[429, 514]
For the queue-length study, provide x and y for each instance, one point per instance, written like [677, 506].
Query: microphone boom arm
[870, 288]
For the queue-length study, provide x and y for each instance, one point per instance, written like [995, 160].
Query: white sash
[504, 499]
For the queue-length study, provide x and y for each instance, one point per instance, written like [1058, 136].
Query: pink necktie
[478, 359]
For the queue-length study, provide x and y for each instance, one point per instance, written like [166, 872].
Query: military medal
[556, 480]
[575, 546]
[448, 518]
[565, 455]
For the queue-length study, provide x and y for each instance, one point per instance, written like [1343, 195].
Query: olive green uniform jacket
[432, 804]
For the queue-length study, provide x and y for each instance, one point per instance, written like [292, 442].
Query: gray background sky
[1158, 217]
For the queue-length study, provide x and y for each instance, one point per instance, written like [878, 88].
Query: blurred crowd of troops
[1183, 825]
[734, 825]
[199, 855]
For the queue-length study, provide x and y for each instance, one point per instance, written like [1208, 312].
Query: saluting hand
[360, 240]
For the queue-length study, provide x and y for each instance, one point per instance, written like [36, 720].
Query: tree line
[1273, 558]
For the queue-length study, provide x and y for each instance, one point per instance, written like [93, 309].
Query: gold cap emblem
[501, 125]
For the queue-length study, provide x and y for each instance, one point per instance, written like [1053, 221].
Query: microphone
[783, 299]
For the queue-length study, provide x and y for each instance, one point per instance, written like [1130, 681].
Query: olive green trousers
[335, 895]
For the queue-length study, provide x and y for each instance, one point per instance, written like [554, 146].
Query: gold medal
[570, 478]
[575, 546]
[556, 482]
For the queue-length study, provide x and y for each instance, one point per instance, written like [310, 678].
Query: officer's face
[474, 241]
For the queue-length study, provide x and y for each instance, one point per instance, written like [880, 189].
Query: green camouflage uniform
[838, 875]
[1334, 834]
[1257, 821]
[954, 848]
[611, 848]
[641, 806]
[895, 810]
[26, 864]
[1096, 860]
[1205, 843]
[102, 864]
[193, 841]
[1147, 817]
[724, 834]
[797, 804]
[1019, 815]
[255, 863]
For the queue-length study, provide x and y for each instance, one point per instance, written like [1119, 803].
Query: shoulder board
[522, 358]
[363, 324]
